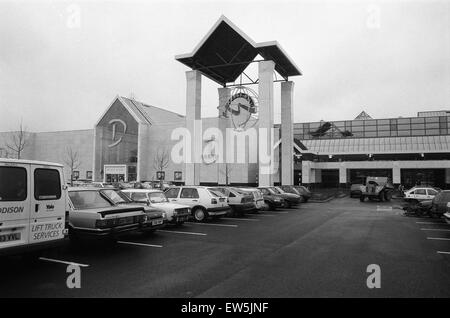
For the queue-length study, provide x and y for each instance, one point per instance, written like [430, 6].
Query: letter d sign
[374, 279]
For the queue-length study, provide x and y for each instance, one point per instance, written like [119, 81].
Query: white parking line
[139, 244]
[431, 223]
[441, 252]
[438, 238]
[180, 232]
[62, 262]
[232, 219]
[443, 230]
[212, 224]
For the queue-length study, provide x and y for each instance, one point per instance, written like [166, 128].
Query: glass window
[432, 119]
[172, 193]
[418, 126]
[82, 200]
[139, 197]
[432, 192]
[47, 184]
[89, 175]
[431, 132]
[370, 122]
[115, 196]
[418, 132]
[359, 128]
[189, 193]
[157, 197]
[383, 127]
[384, 133]
[417, 120]
[432, 125]
[370, 134]
[401, 121]
[13, 184]
[383, 122]
[420, 192]
[404, 127]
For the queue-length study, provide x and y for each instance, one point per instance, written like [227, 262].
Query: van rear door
[14, 204]
[48, 204]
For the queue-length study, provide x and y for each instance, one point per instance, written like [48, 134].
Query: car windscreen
[88, 200]
[157, 197]
[275, 190]
[116, 197]
[216, 193]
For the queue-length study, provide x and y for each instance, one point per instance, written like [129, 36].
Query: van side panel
[15, 196]
[48, 204]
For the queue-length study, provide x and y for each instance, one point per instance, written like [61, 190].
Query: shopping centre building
[133, 140]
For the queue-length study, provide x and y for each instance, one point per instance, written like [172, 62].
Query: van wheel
[200, 214]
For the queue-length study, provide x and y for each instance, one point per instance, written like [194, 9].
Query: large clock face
[242, 108]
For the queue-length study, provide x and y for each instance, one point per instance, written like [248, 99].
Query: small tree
[161, 160]
[72, 160]
[227, 172]
[18, 141]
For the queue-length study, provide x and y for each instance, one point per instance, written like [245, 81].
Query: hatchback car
[417, 194]
[155, 217]
[239, 202]
[91, 214]
[271, 198]
[258, 198]
[290, 199]
[203, 201]
[175, 213]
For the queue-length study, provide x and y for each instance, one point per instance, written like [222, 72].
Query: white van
[33, 204]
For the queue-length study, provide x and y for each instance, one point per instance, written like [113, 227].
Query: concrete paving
[316, 250]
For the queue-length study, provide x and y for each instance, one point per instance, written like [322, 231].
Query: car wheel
[361, 198]
[381, 196]
[305, 200]
[388, 196]
[200, 214]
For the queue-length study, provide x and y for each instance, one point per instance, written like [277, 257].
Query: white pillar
[224, 123]
[342, 174]
[193, 120]
[287, 133]
[265, 89]
[396, 175]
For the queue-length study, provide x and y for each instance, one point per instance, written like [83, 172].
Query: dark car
[272, 199]
[304, 192]
[355, 190]
[440, 202]
[155, 217]
[293, 190]
[290, 199]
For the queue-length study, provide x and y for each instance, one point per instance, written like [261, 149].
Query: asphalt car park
[314, 250]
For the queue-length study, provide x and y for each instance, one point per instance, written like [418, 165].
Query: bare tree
[227, 172]
[18, 141]
[161, 160]
[72, 160]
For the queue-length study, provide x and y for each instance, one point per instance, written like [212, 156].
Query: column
[193, 124]
[396, 176]
[224, 123]
[342, 175]
[287, 133]
[265, 139]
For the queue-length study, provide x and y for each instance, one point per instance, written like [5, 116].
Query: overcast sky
[58, 72]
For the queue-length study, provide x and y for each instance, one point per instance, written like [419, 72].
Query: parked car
[258, 198]
[304, 192]
[290, 199]
[101, 185]
[447, 215]
[175, 213]
[204, 202]
[239, 202]
[155, 217]
[33, 204]
[417, 194]
[293, 190]
[93, 215]
[271, 198]
[440, 203]
[356, 190]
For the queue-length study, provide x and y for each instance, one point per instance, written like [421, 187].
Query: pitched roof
[225, 52]
[363, 116]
